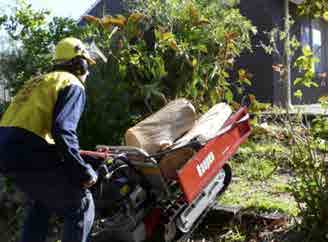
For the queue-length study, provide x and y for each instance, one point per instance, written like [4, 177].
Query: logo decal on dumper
[205, 164]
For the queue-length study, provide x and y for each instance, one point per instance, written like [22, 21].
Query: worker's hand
[90, 183]
[90, 177]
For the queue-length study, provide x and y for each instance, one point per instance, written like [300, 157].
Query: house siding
[267, 86]
[108, 7]
[104, 7]
[265, 15]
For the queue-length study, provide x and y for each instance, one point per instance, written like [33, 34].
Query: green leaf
[254, 30]
[282, 35]
[325, 16]
[134, 59]
[298, 80]
[317, 15]
[314, 84]
[298, 94]
[201, 48]
[309, 84]
[228, 96]
[240, 90]
[319, 5]
[167, 36]
[307, 51]
[247, 82]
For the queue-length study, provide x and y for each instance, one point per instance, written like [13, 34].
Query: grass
[260, 197]
[272, 168]
[260, 184]
[259, 180]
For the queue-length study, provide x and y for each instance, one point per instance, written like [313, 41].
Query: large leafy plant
[200, 40]
[314, 8]
[308, 160]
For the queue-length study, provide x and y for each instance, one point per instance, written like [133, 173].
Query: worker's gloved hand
[91, 179]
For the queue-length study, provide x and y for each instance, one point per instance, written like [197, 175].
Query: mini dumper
[139, 200]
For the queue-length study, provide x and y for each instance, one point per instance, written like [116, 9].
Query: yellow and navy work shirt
[38, 130]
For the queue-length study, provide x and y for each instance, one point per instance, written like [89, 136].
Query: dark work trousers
[52, 192]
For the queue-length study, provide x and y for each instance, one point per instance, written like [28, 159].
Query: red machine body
[201, 169]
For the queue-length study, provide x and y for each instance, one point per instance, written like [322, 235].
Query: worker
[39, 146]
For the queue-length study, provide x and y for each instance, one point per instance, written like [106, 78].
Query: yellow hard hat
[70, 47]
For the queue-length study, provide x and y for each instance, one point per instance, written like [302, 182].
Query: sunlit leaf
[254, 30]
[173, 45]
[117, 21]
[325, 16]
[201, 48]
[135, 17]
[167, 36]
[323, 99]
[106, 19]
[134, 59]
[297, 80]
[203, 21]
[229, 96]
[247, 82]
[91, 19]
[307, 51]
[319, 5]
[298, 94]
[194, 62]
[315, 84]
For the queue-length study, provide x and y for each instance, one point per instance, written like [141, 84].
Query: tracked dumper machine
[161, 193]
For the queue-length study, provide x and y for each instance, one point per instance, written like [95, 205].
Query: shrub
[308, 160]
[161, 51]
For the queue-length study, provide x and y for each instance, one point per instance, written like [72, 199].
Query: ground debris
[225, 223]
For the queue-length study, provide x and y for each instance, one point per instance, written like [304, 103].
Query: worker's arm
[69, 107]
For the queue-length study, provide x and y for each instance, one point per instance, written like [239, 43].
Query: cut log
[161, 129]
[208, 125]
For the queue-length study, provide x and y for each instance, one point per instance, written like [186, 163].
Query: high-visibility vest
[32, 108]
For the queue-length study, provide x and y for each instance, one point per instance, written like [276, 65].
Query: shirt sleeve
[68, 109]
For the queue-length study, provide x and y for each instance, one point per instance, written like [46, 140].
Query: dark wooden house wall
[104, 7]
[265, 15]
[107, 7]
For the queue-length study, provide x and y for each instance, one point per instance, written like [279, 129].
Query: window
[4, 94]
[315, 34]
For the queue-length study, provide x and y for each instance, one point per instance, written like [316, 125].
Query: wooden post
[287, 77]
